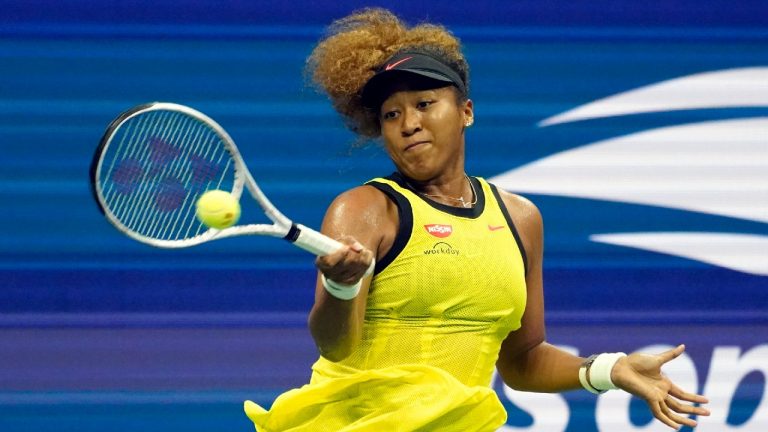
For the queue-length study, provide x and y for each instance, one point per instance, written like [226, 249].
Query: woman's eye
[424, 104]
[389, 115]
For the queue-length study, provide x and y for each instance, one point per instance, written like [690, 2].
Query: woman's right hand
[347, 265]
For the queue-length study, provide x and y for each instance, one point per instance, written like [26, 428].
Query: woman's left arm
[528, 363]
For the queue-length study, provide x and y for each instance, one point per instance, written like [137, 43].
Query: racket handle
[312, 241]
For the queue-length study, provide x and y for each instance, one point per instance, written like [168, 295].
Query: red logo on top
[439, 230]
[394, 65]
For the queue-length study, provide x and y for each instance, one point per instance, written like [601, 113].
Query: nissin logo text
[439, 230]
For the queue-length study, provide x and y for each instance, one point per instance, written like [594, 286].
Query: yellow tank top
[447, 293]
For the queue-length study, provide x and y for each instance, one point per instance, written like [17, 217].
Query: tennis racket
[154, 162]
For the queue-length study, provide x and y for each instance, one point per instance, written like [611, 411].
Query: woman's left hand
[640, 375]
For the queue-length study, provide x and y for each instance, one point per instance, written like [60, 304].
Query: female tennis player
[457, 284]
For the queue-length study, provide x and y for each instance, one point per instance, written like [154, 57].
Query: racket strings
[179, 171]
[172, 185]
[205, 145]
[156, 166]
[122, 171]
[141, 209]
[132, 187]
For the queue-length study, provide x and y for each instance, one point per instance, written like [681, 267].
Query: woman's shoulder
[365, 194]
[365, 203]
[519, 206]
[525, 215]
[365, 213]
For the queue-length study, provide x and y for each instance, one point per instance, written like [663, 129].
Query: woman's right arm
[362, 219]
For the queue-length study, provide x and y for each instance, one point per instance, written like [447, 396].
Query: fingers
[676, 391]
[671, 405]
[678, 420]
[689, 397]
[666, 409]
[348, 264]
[682, 408]
[658, 410]
[353, 244]
[665, 400]
[672, 354]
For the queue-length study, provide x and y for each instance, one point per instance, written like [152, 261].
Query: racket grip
[314, 242]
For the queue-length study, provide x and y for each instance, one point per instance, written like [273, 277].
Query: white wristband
[345, 291]
[600, 371]
[340, 290]
[583, 375]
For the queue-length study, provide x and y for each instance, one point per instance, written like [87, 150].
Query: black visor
[424, 69]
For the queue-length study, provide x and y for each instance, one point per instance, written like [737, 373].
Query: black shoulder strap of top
[405, 224]
[511, 224]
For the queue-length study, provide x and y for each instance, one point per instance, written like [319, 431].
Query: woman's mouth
[414, 145]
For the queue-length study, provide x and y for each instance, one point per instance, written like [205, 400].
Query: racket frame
[282, 227]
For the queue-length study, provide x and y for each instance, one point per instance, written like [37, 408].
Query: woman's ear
[468, 111]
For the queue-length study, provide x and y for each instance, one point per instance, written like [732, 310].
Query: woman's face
[423, 131]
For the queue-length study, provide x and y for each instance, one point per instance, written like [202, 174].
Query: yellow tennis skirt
[406, 398]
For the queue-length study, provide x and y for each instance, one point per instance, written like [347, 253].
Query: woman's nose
[411, 122]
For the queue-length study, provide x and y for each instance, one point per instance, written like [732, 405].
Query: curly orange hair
[356, 45]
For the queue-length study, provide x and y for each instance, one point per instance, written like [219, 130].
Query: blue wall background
[99, 332]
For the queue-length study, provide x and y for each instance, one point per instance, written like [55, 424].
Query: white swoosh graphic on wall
[714, 167]
[743, 87]
[681, 167]
[743, 252]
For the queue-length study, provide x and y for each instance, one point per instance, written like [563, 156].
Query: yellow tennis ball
[217, 209]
